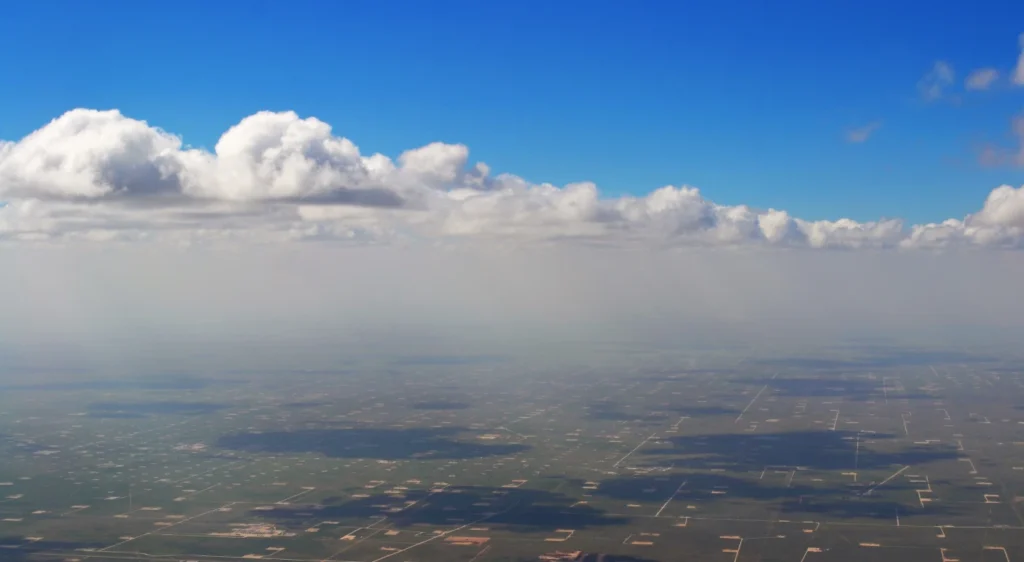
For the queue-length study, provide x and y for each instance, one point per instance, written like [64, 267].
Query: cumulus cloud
[981, 79]
[277, 156]
[103, 155]
[862, 134]
[274, 177]
[1004, 207]
[134, 251]
[90, 154]
[999, 223]
[933, 85]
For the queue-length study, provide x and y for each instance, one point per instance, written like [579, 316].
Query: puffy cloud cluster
[88, 155]
[100, 175]
[999, 223]
[1004, 207]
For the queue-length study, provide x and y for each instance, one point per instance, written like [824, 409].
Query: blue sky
[747, 100]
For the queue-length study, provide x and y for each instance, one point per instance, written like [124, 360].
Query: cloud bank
[126, 250]
[276, 177]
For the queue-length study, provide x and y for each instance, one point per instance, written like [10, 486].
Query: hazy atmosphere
[153, 194]
[129, 301]
[534, 281]
[113, 231]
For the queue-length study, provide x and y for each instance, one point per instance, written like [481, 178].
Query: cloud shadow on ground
[517, 510]
[818, 450]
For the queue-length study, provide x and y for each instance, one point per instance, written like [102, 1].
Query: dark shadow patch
[861, 507]
[843, 501]
[820, 450]
[516, 510]
[18, 549]
[697, 486]
[705, 411]
[386, 444]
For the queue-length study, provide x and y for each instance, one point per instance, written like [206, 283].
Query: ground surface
[870, 455]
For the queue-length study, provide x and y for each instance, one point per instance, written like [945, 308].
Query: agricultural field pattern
[876, 456]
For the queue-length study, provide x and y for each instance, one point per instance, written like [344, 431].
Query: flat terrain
[872, 455]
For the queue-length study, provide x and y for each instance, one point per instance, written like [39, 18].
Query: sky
[752, 102]
[314, 170]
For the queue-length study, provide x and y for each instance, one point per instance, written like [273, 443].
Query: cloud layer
[100, 175]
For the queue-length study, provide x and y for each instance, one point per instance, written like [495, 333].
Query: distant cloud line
[275, 177]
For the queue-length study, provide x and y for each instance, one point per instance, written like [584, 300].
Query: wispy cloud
[1018, 72]
[981, 79]
[995, 156]
[862, 134]
[933, 85]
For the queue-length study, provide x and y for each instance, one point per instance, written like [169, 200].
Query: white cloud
[274, 156]
[116, 237]
[276, 177]
[999, 223]
[1006, 156]
[1004, 207]
[933, 85]
[1018, 71]
[91, 154]
[862, 134]
[981, 79]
